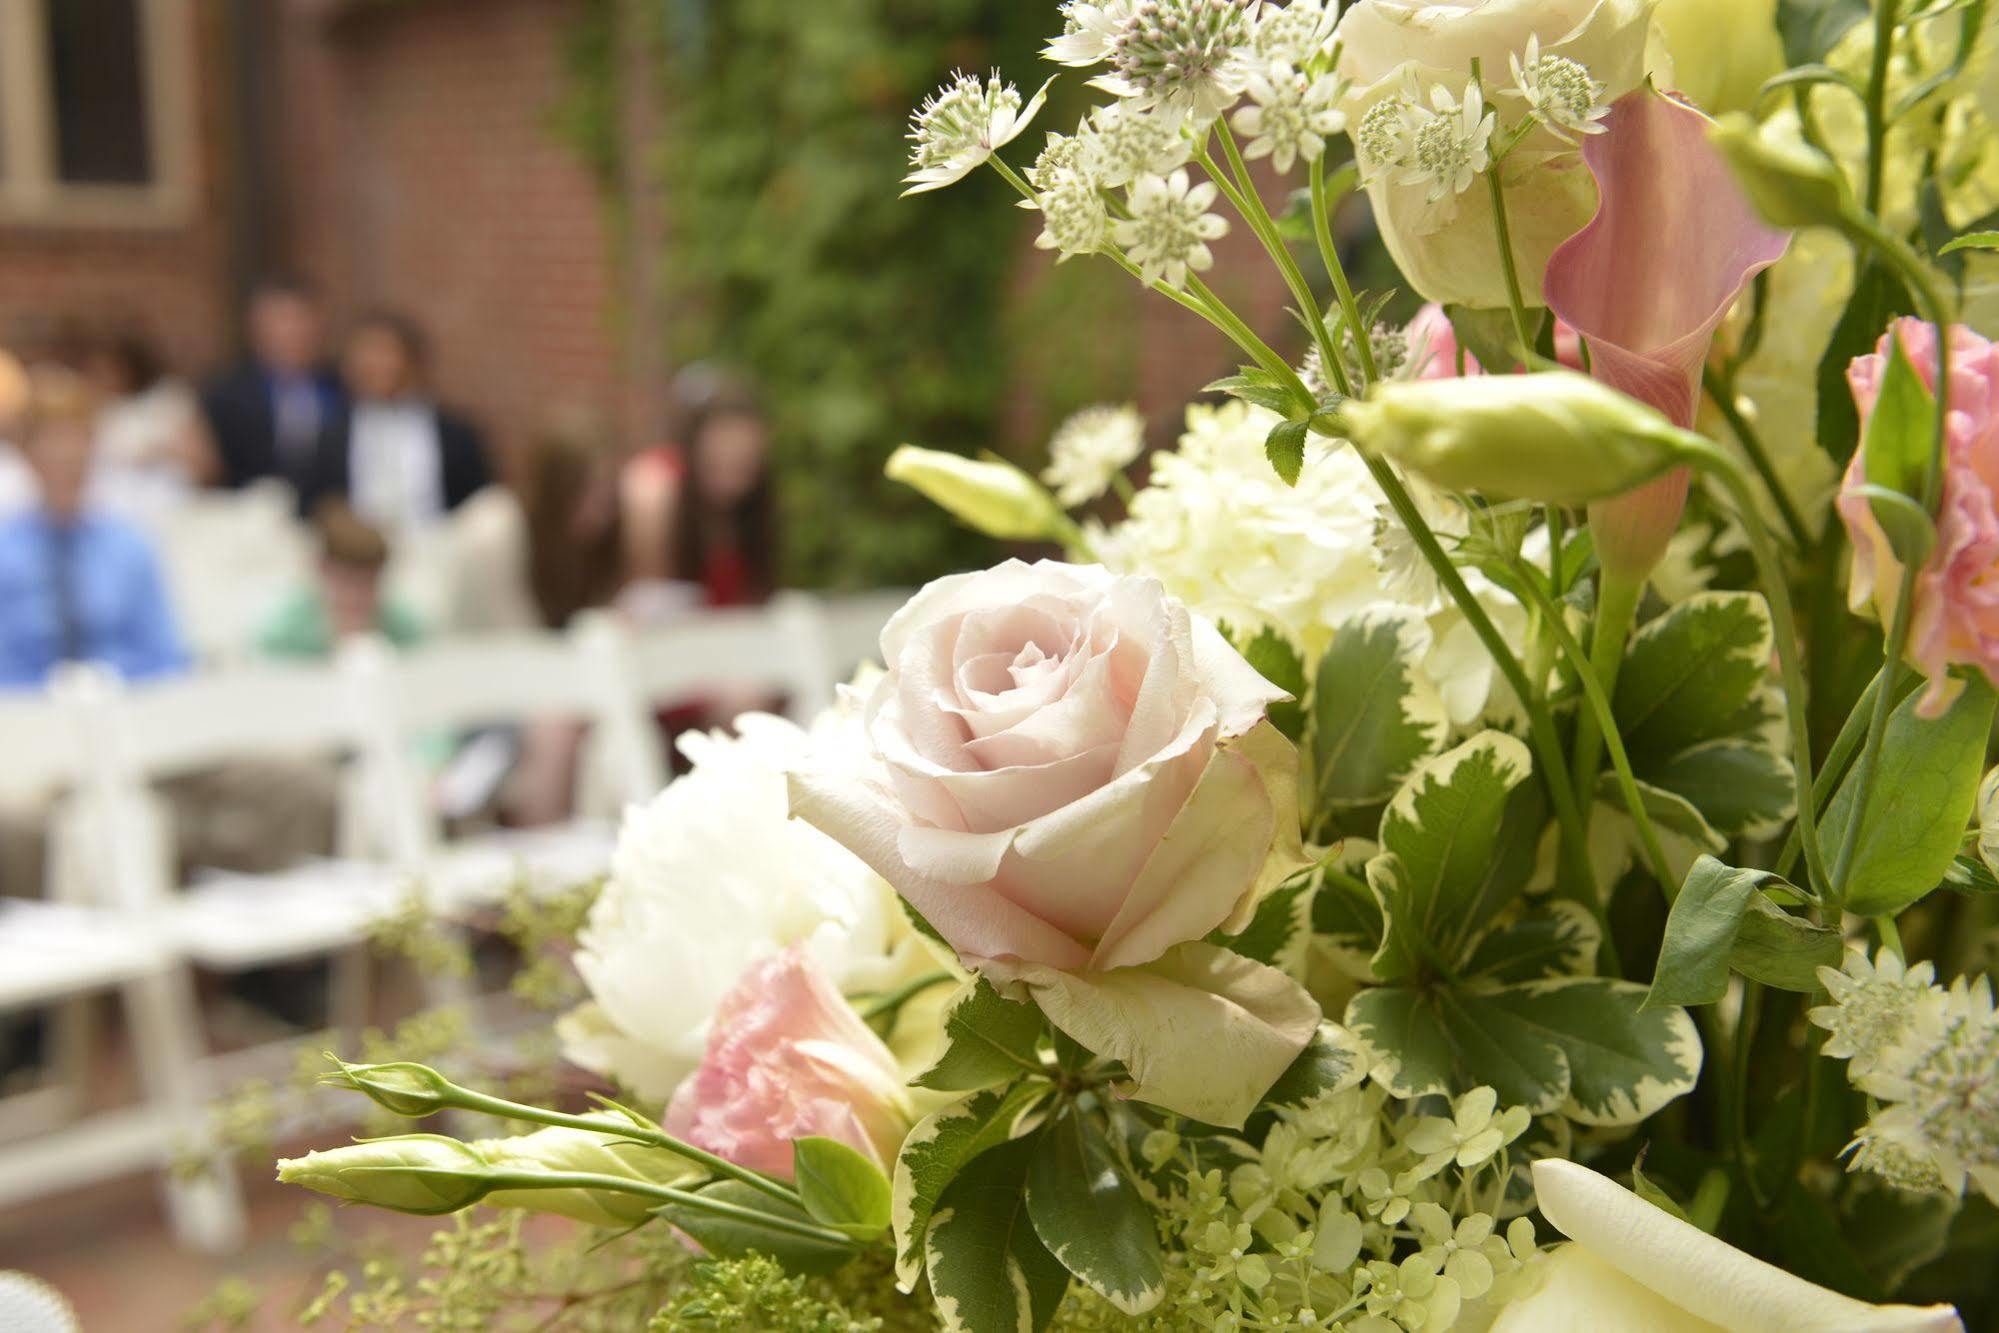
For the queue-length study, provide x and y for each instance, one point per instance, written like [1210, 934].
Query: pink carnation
[790, 1059]
[1955, 616]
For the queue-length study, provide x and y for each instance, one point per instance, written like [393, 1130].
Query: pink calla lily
[1647, 281]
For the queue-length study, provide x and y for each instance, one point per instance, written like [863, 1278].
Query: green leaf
[1558, 938]
[1878, 296]
[1968, 874]
[1911, 533]
[1276, 659]
[1374, 715]
[1811, 28]
[1524, 1065]
[989, 1271]
[1896, 448]
[728, 1237]
[1091, 1216]
[1642, 1185]
[1486, 335]
[1327, 1064]
[1742, 788]
[1285, 447]
[1972, 240]
[1669, 812]
[1399, 1030]
[988, 1039]
[1701, 931]
[1779, 949]
[1281, 928]
[1624, 1062]
[939, 1147]
[840, 1187]
[1690, 672]
[1451, 856]
[1925, 786]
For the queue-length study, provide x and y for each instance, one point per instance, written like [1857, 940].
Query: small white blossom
[1090, 448]
[1074, 219]
[1123, 142]
[1292, 115]
[1872, 1005]
[1382, 137]
[1184, 55]
[1169, 229]
[1449, 142]
[1559, 92]
[1297, 33]
[1088, 28]
[959, 126]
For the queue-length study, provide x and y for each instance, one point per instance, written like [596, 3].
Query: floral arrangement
[1464, 840]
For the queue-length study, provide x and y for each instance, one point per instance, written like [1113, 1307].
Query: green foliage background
[865, 320]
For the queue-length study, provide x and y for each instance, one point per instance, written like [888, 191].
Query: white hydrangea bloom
[1169, 229]
[1088, 29]
[1224, 534]
[1187, 56]
[1090, 448]
[959, 127]
[1559, 92]
[707, 877]
[1449, 142]
[1292, 115]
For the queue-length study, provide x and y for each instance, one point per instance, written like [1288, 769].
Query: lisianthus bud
[402, 1087]
[1791, 184]
[425, 1174]
[1557, 437]
[580, 1150]
[996, 498]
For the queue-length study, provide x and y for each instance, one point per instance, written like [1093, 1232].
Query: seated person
[75, 584]
[393, 454]
[348, 598]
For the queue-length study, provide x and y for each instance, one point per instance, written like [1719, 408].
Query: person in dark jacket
[398, 459]
[267, 414]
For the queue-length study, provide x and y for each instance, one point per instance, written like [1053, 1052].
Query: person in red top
[704, 514]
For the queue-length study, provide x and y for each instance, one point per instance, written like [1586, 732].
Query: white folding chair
[784, 647]
[83, 942]
[854, 623]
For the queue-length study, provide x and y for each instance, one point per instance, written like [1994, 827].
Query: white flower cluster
[1444, 144]
[1090, 449]
[1931, 1056]
[1229, 538]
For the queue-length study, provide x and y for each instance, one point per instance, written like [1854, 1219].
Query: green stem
[1514, 300]
[1837, 760]
[1891, 937]
[1877, 100]
[1616, 607]
[888, 1001]
[1329, 254]
[1597, 691]
[1721, 392]
[587, 1180]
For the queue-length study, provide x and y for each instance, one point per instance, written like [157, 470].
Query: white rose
[708, 877]
[1447, 248]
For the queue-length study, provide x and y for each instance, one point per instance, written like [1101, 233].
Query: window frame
[31, 193]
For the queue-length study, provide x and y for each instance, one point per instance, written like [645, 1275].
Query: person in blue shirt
[76, 586]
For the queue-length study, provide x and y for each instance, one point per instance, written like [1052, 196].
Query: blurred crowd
[314, 491]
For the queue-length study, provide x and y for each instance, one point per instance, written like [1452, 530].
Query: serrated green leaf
[1669, 812]
[727, 1237]
[1925, 786]
[1493, 1046]
[840, 1187]
[1279, 931]
[1689, 672]
[988, 1039]
[1742, 788]
[1285, 447]
[989, 1271]
[1276, 659]
[1403, 1038]
[1330, 1062]
[1375, 716]
[1972, 240]
[1091, 1216]
[1624, 1063]
[1557, 938]
[938, 1148]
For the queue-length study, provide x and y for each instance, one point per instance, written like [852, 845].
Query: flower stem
[890, 1001]
[588, 1180]
[1721, 392]
[1329, 254]
[1516, 303]
[1877, 100]
[1617, 597]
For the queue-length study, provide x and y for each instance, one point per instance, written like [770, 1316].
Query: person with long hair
[705, 515]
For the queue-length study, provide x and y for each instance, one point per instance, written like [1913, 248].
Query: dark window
[97, 81]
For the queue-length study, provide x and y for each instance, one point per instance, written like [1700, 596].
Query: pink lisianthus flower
[1954, 619]
[1433, 346]
[788, 1059]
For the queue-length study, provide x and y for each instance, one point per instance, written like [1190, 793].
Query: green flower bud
[993, 496]
[1557, 436]
[1791, 184]
[425, 1174]
[571, 1150]
[406, 1089]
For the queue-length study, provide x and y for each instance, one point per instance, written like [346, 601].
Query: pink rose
[1955, 615]
[1071, 777]
[788, 1058]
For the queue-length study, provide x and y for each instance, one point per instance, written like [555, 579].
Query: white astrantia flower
[1292, 115]
[1169, 228]
[709, 876]
[1088, 29]
[1449, 141]
[1218, 527]
[1559, 91]
[1940, 1081]
[958, 128]
[1090, 448]
[1873, 1002]
[1382, 138]
[1122, 142]
[1074, 218]
[1184, 55]
[1297, 33]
